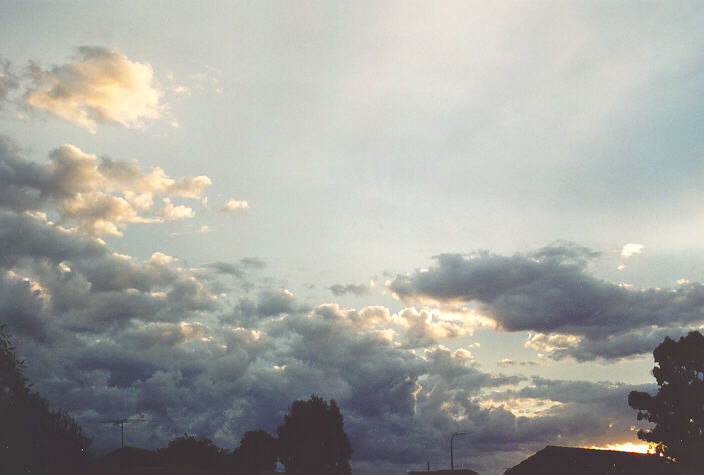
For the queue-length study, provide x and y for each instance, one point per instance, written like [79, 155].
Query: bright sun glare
[627, 447]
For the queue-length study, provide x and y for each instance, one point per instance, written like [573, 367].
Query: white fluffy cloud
[631, 249]
[235, 206]
[101, 86]
[99, 196]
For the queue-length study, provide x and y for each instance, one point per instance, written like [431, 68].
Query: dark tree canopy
[677, 410]
[312, 439]
[257, 452]
[34, 438]
[195, 452]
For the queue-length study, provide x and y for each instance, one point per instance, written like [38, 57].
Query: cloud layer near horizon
[107, 336]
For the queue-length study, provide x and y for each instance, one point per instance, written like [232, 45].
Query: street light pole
[452, 458]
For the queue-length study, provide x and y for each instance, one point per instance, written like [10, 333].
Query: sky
[447, 216]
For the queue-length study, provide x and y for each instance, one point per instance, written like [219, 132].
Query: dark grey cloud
[637, 342]
[61, 278]
[358, 290]
[23, 184]
[608, 394]
[108, 337]
[242, 270]
[252, 263]
[510, 362]
[269, 303]
[552, 292]
[22, 307]
[85, 286]
[228, 268]
[399, 405]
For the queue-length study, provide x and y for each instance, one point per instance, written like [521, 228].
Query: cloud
[238, 269]
[166, 333]
[99, 196]
[631, 249]
[234, 207]
[81, 284]
[127, 174]
[275, 302]
[628, 345]
[339, 290]
[181, 90]
[101, 86]
[209, 78]
[143, 344]
[425, 328]
[551, 292]
[109, 336]
[8, 81]
[169, 212]
[510, 362]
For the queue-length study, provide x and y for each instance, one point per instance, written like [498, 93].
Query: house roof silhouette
[580, 461]
[457, 471]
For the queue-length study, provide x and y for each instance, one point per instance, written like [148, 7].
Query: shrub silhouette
[257, 452]
[312, 439]
[195, 452]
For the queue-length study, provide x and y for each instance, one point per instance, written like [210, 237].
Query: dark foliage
[312, 439]
[195, 452]
[257, 452]
[34, 438]
[677, 410]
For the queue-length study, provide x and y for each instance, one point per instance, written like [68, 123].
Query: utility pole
[121, 423]
[452, 458]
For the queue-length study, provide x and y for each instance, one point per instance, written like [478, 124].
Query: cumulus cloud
[551, 292]
[235, 206]
[100, 196]
[628, 345]
[143, 348]
[631, 249]
[425, 327]
[88, 285]
[101, 86]
[166, 333]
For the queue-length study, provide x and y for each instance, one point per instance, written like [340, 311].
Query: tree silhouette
[195, 452]
[257, 452]
[33, 438]
[312, 439]
[677, 410]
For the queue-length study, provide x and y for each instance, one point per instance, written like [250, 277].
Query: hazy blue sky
[477, 216]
